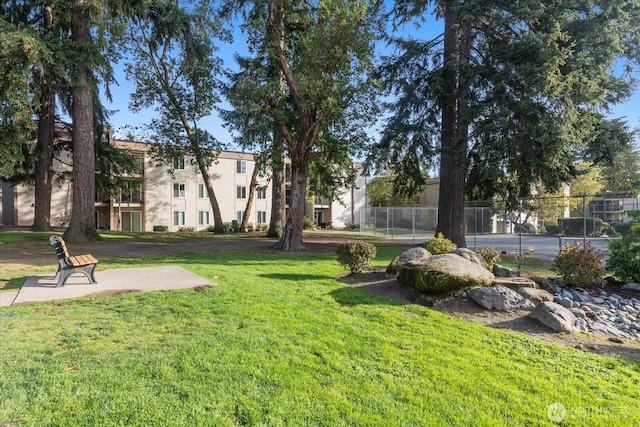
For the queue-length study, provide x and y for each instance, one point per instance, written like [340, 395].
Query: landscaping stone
[470, 255]
[535, 295]
[605, 314]
[500, 298]
[444, 273]
[502, 271]
[631, 287]
[555, 316]
[413, 256]
[514, 282]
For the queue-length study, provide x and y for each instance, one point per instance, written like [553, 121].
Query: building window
[179, 217]
[262, 217]
[179, 190]
[178, 163]
[261, 193]
[202, 192]
[203, 217]
[241, 192]
[239, 215]
[241, 166]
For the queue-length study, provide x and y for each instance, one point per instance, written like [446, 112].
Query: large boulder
[555, 316]
[413, 256]
[500, 298]
[444, 273]
[470, 255]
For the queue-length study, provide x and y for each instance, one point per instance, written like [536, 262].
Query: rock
[470, 255]
[413, 256]
[555, 316]
[500, 298]
[535, 295]
[502, 271]
[616, 340]
[514, 282]
[444, 273]
[565, 302]
[606, 328]
[579, 313]
[631, 287]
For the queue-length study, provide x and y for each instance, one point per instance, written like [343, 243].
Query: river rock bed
[600, 312]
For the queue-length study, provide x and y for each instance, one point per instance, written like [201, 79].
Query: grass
[280, 343]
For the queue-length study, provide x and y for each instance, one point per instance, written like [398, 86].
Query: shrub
[352, 227]
[186, 229]
[211, 229]
[489, 255]
[440, 245]
[262, 227]
[580, 267]
[308, 224]
[622, 228]
[250, 227]
[227, 227]
[161, 228]
[552, 228]
[355, 255]
[624, 253]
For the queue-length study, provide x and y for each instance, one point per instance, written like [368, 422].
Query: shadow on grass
[292, 276]
[348, 296]
[14, 284]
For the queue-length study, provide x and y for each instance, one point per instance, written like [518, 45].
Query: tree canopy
[505, 96]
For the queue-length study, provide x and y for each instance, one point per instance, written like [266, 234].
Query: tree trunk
[82, 226]
[279, 184]
[213, 200]
[278, 190]
[44, 146]
[292, 237]
[454, 149]
[252, 190]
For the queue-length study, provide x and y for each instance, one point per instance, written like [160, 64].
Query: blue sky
[122, 117]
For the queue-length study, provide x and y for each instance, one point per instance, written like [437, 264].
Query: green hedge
[575, 226]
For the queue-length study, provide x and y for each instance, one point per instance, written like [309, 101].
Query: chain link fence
[565, 219]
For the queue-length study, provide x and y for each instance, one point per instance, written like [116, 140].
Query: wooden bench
[68, 265]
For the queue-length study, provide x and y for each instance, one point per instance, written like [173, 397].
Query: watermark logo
[556, 412]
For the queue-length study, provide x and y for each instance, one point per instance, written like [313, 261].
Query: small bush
[580, 267]
[227, 227]
[161, 228]
[622, 228]
[355, 255]
[489, 255]
[262, 227]
[186, 229]
[624, 253]
[308, 224]
[440, 245]
[352, 227]
[553, 229]
[211, 229]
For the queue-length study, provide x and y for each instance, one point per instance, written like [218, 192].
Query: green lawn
[280, 342]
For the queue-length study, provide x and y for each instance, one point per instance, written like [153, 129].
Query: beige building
[175, 196]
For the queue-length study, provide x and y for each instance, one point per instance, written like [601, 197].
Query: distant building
[175, 199]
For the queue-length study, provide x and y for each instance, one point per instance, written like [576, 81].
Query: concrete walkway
[42, 287]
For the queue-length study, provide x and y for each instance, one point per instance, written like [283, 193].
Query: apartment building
[175, 196]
